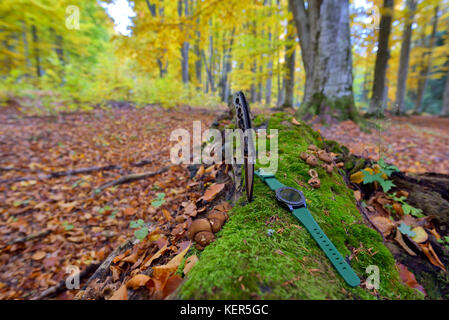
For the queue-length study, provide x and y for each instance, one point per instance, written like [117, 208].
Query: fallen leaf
[155, 256]
[401, 242]
[385, 225]
[38, 255]
[137, 281]
[120, 294]
[358, 195]
[420, 235]
[129, 211]
[212, 191]
[171, 266]
[409, 278]
[171, 285]
[431, 255]
[356, 177]
[167, 214]
[190, 262]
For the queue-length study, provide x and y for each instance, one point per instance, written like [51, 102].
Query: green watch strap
[269, 179]
[343, 268]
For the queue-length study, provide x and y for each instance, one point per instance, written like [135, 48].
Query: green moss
[247, 263]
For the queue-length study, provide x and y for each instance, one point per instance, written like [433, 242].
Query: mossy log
[263, 252]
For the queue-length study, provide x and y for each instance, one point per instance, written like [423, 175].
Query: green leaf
[67, 226]
[136, 224]
[370, 178]
[408, 209]
[159, 200]
[141, 233]
[386, 185]
[405, 229]
[446, 238]
[386, 168]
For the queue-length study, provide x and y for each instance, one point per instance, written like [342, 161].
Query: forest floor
[70, 220]
[415, 144]
[73, 223]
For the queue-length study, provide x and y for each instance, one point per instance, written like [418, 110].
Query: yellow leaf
[421, 235]
[356, 177]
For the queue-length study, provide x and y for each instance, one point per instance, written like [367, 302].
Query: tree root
[27, 238]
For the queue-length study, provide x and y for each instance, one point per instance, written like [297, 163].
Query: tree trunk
[288, 82]
[185, 44]
[445, 107]
[383, 54]
[422, 83]
[152, 9]
[37, 57]
[405, 56]
[324, 34]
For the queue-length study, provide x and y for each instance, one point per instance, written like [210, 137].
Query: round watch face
[290, 196]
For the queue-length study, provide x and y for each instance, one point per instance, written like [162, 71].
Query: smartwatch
[295, 201]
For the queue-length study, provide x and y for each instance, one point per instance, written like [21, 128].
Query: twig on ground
[58, 174]
[61, 286]
[27, 238]
[131, 178]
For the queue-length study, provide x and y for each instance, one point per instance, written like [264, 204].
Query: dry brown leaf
[167, 214]
[358, 195]
[400, 240]
[155, 256]
[171, 285]
[38, 255]
[129, 211]
[172, 265]
[120, 294]
[190, 262]
[385, 225]
[397, 207]
[409, 278]
[137, 281]
[431, 255]
[212, 191]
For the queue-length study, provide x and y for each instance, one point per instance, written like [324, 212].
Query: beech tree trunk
[382, 56]
[404, 57]
[422, 84]
[324, 37]
[37, 57]
[185, 44]
[445, 108]
[288, 83]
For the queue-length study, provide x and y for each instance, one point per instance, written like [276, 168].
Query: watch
[296, 203]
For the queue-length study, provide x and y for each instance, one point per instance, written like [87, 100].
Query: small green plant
[408, 209]
[67, 226]
[159, 200]
[143, 230]
[383, 170]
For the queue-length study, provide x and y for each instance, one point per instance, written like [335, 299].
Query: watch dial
[290, 195]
